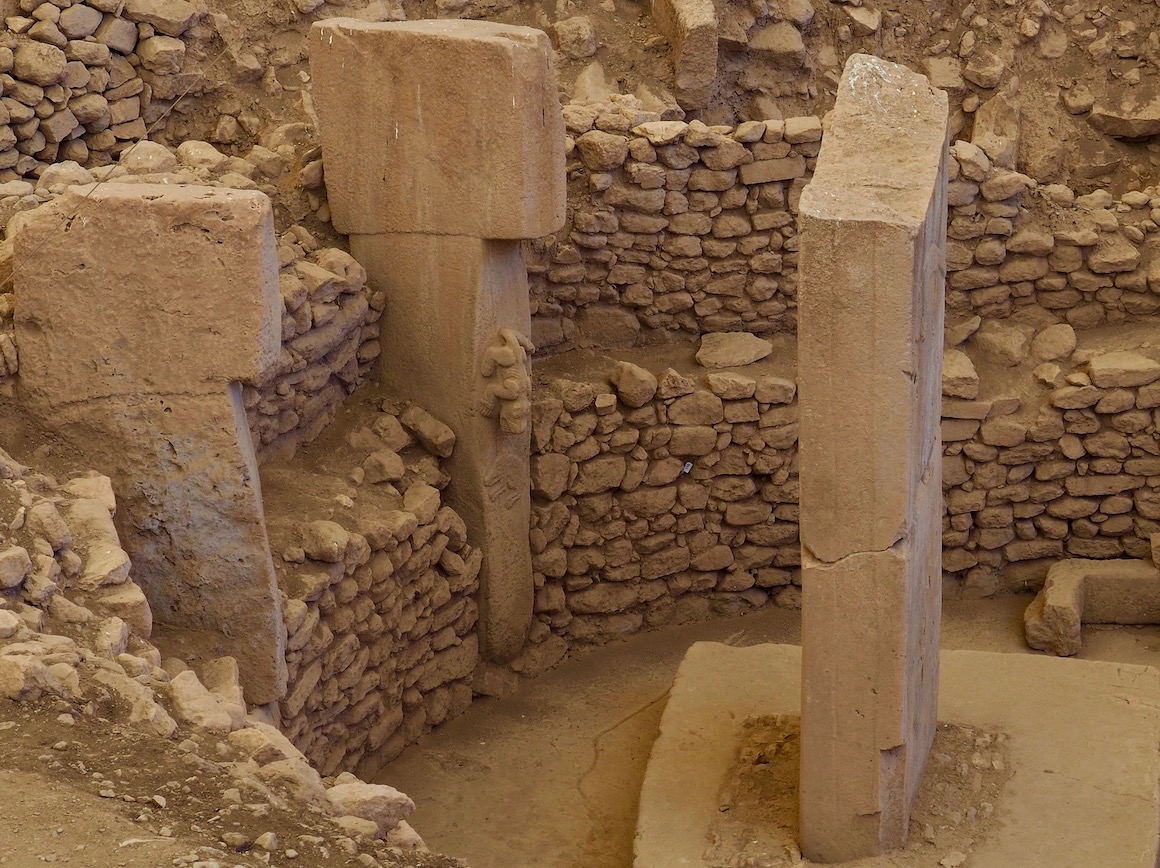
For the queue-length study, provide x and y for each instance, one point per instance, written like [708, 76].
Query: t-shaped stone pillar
[872, 264]
[444, 145]
[139, 308]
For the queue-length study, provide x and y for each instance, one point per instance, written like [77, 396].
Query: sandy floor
[550, 776]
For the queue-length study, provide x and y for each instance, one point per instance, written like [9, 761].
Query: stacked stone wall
[673, 227]
[1075, 474]
[82, 81]
[380, 608]
[330, 331]
[649, 509]
[686, 228]
[663, 500]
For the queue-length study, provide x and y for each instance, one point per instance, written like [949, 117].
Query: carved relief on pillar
[507, 394]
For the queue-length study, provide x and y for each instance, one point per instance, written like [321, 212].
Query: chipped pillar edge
[872, 266]
[448, 259]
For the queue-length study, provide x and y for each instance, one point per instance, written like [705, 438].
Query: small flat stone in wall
[732, 349]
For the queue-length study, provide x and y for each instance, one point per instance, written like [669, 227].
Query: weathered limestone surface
[441, 243]
[691, 28]
[1076, 590]
[870, 337]
[414, 143]
[121, 359]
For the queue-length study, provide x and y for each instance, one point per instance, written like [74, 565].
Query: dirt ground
[83, 791]
[555, 770]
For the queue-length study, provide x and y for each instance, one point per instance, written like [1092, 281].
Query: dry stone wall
[380, 607]
[671, 496]
[673, 227]
[691, 229]
[330, 344]
[83, 81]
[1076, 473]
[660, 498]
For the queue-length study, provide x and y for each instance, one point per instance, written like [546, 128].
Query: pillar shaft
[873, 229]
[448, 300]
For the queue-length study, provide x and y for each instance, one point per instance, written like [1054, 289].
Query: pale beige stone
[959, 379]
[1123, 369]
[450, 297]
[187, 325]
[413, 143]
[872, 259]
[731, 350]
[136, 361]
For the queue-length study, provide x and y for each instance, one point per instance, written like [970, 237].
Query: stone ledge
[1083, 739]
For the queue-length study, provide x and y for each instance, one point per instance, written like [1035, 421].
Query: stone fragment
[780, 44]
[959, 379]
[864, 20]
[435, 436]
[1123, 369]
[602, 152]
[574, 37]
[985, 68]
[383, 805]
[383, 465]
[730, 386]
[44, 521]
[1054, 342]
[1128, 111]
[169, 17]
[634, 385]
[690, 26]
[196, 705]
[38, 63]
[731, 349]
[1005, 343]
[15, 565]
[162, 55]
[775, 390]
[325, 541]
[95, 539]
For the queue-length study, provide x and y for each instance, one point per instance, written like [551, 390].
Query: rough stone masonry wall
[1076, 474]
[660, 500]
[81, 81]
[380, 607]
[625, 536]
[687, 228]
[673, 226]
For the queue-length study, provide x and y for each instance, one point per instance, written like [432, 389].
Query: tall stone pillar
[872, 264]
[139, 308]
[444, 147]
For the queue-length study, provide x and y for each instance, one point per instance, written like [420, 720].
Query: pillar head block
[211, 312]
[439, 127]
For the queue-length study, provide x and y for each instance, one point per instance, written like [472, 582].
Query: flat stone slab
[1082, 735]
